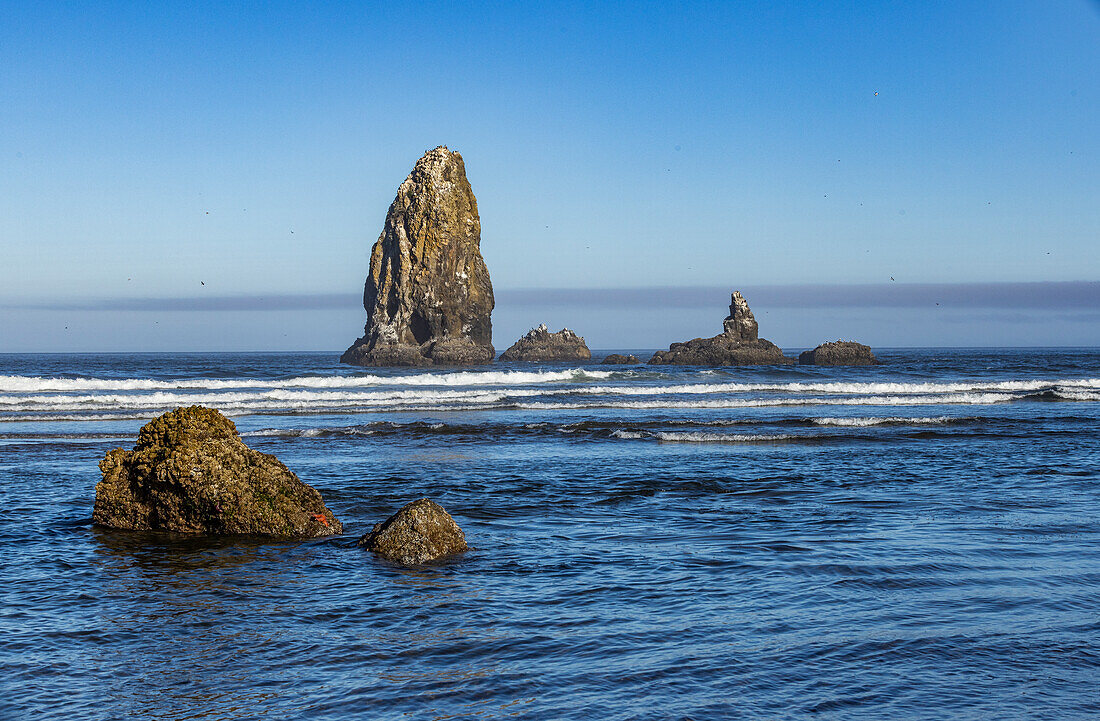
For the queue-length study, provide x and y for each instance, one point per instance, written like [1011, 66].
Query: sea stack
[539, 344]
[190, 472]
[838, 353]
[738, 344]
[428, 296]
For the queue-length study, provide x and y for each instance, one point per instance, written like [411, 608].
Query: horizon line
[1046, 295]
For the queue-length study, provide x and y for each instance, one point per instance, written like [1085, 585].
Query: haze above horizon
[217, 151]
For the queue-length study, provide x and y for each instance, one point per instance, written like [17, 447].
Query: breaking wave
[891, 421]
[31, 384]
[573, 389]
[707, 437]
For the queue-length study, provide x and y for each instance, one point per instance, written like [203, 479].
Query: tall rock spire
[428, 295]
[740, 323]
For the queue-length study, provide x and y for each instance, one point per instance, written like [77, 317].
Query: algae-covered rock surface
[190, 472]
[419, 533]
[539, 344]
[428, 295]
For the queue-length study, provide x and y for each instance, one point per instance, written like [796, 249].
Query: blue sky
[177, 151]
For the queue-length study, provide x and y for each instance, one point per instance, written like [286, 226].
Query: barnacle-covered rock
[190, 472]
[419, 533]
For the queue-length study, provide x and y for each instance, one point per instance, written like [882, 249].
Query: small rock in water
[619, 359]
[419, 533]
[190, 472]
[541, 345]
[838, 353]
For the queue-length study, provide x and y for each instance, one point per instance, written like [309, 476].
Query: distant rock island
[541, 345]
[428, 295]
[838, 353]
[618, 359]
[738, 344]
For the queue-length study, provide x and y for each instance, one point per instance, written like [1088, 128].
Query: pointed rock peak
[439, 166]
[740, 323]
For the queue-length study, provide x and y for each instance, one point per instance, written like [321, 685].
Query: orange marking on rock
[320, 517]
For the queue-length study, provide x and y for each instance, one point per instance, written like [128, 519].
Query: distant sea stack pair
[740, 344]
[190, 472]
[428, 296]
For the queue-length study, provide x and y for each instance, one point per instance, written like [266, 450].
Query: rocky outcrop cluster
[838, 353]
[428, 295]
[738, 344]
[541, 345]
[618, 359]
[419, 533]
[190, 472]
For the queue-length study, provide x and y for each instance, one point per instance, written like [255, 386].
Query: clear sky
[157, 150]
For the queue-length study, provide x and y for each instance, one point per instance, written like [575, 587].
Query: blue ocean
[915, 540]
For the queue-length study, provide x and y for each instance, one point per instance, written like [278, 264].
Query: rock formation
[838, 353]
[190, 472]
[428, 296]
[419, 533]
[738, 344]
[740, 324]
[541, 345]
[619, 359]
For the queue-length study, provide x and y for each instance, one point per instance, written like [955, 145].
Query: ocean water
[918, 540]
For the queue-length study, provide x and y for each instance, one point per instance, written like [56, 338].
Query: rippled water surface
[918, 540]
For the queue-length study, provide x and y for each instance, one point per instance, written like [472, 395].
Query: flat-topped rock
[428, 295]
[721, 351]
[838, 353]
[190, 472]
[541, 345]
[619, 359]
[738, 344]
[421, 532]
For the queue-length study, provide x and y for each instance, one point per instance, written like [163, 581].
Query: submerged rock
[428, 295]
[738, 344]
[190, 472]
[838, 353]
[541, 345]
[419, 533]
[619, 359]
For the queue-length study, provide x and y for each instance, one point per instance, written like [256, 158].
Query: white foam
[864, 422]
[33, 384]
[1078, 395]
[267, 400]
[942, 399]
[702, 436]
